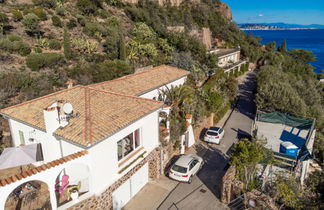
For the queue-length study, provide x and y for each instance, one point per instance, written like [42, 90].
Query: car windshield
[179, 169]
[212, 133]
[214, 128]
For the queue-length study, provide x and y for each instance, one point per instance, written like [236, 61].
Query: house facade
[115, 123]
[228, 59]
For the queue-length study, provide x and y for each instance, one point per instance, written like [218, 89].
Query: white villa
[228, 59]
[103, 138]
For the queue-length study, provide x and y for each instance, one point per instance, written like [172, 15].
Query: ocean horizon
[308, 39]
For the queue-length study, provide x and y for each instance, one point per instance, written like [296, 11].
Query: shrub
[40, 13]
[109, 69]
[3, 22]
[36, 61]
[37, 50]
[15, 47]
[60, 11]
[13, 38]
[88, 6]
[31, 22]
[71, 24]
[45, 3]
[81, 20]
[93, 28]
[54, 44]
[17, 15]
[56, 21]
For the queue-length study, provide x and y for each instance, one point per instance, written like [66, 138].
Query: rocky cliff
[225, 10]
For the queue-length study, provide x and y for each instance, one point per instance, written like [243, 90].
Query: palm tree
[177, 96]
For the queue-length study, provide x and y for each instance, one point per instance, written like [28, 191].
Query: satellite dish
[68, 108]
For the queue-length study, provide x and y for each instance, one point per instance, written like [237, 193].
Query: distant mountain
[274, 26]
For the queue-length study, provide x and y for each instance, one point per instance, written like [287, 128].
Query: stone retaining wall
[104, 200]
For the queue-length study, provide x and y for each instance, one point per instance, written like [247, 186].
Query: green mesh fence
[286, 119]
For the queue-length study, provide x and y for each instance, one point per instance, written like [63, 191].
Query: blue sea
[312, 40]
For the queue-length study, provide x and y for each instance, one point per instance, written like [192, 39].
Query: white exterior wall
[223, 61]
[50, 145]
[104, 159]
[155, 92]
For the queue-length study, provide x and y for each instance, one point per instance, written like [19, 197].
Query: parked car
[185, 168]
[214, 135]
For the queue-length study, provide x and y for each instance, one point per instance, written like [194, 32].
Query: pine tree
[67, 44]
[122, 49]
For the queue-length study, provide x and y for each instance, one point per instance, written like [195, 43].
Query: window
[21, 137]
[126, 145]
[194, 162]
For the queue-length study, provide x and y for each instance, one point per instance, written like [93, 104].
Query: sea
[308, 39]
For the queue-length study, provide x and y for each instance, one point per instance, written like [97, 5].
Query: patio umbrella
[17, 156]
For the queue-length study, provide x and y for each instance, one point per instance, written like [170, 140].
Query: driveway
[204, 191]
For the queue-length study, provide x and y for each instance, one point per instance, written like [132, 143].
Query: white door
[130, 188]
[139, 179]
[121, 195]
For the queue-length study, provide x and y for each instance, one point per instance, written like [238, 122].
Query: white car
[185, 168]
[214, 135]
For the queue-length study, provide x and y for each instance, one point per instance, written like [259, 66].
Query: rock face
[204, 35]
[224, 10]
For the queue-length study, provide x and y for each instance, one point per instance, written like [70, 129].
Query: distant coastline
[277, 26]
[277, 29]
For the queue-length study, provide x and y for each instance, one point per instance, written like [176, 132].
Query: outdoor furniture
[62, 185]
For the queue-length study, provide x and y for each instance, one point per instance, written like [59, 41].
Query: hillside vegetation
[47, 42]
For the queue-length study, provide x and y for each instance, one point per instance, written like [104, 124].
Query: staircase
[237, 203]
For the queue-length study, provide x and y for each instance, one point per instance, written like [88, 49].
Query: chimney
[51, 118]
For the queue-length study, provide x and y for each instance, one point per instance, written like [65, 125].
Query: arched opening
[29, 195]
[71, 183]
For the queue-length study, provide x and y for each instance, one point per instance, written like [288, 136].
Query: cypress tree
[122, 49]
[67, 44]
[283, 47]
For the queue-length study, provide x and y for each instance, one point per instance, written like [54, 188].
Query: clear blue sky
[269, 11]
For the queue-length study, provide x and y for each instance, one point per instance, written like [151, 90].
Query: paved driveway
[204, 191]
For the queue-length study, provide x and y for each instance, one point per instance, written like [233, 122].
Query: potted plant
[73, 191]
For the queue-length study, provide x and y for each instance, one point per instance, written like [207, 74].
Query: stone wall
[104, 200]
[231, 187]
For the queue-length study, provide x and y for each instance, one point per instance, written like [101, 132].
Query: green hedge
[36, 61]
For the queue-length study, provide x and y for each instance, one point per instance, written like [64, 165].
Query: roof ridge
[120, 94]
[43, 167]
[131, 75]
[42, 97]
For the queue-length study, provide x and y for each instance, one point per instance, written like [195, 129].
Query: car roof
[184, 160]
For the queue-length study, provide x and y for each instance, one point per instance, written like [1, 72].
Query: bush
[17, 15]
[71, 24]
[40, 13]
[88, 6]
[60, 11]
[36, 61]
[13, 38]
[56, 21]
[31, 22]
[54, 44]
[67, 44]
[15, 47]
[92, 28]
[45, 3]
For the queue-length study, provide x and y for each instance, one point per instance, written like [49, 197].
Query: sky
[270, 11]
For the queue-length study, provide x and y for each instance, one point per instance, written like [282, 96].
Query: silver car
[185, 168]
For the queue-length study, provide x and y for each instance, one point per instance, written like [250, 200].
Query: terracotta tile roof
[101, 113]
[30, 172]
[142, 82]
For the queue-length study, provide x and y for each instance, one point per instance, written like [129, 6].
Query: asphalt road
[204, 191]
